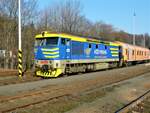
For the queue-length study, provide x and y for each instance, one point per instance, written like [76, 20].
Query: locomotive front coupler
[45, 68]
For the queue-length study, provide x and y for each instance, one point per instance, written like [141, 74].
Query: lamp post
[134, 15]
[144, 41]
[19, 43]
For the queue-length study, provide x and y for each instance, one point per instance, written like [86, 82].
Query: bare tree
[63, 16]
[9, 24]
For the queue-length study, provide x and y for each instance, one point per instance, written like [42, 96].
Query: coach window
[132, 52]
[126, 51]
[90, 45]
[139, 52]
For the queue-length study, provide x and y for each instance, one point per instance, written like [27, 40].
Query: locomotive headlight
[36, 62]
[56, 64]
[50, 62]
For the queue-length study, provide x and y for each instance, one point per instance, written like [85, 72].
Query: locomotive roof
[74, 37]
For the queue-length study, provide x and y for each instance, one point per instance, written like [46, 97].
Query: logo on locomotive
[87, 51]
[97, 52]
[100, 52]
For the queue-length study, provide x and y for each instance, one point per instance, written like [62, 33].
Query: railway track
[11, 77]
[143, 107]
[41, 96]
[48, 94]
[44, 95]
[5, 73]
[26, 99]
[34, 103]
[7, 79]
[137, 105]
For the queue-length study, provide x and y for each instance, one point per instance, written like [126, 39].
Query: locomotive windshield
[46, 41]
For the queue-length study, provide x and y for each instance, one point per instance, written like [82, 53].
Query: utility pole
[134, 15]
[19, 46]
[144, 41]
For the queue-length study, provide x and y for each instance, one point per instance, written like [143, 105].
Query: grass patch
[63, 104]
[91, 96]
[57, 106]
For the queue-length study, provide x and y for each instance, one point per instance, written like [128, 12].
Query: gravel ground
[100, 98]
[143, 107]
[86, 90]
[122, 93]
[8, 72]
[101, 78]
[8, 80]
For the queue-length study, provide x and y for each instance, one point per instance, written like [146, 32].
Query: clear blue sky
[119, 13]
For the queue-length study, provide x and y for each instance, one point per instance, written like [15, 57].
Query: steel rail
[131, 104]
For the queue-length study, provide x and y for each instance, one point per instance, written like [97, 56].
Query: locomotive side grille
[50, 53]
[114, 51]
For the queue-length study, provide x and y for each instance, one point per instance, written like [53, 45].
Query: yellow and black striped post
[20, 63]
[19, 41]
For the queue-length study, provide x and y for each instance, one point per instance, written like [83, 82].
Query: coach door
[65, 48]
[120, 53]
[68, 50]
[129, 53]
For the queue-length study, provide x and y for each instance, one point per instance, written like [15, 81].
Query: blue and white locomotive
[61, 54]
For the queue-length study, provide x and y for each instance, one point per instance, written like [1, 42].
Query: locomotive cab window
[46, 41]
[67, 42]
[63, 41]
[52, 41]
[40, 42]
